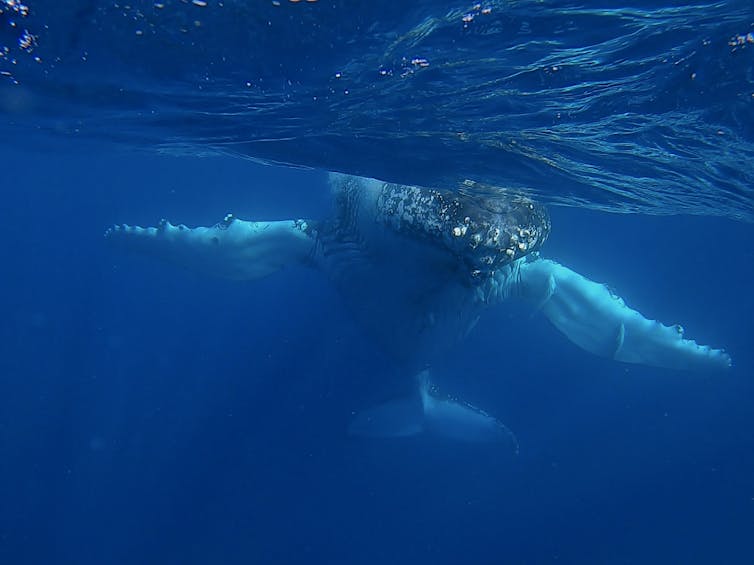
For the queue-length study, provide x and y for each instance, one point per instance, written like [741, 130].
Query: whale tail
[427, 413]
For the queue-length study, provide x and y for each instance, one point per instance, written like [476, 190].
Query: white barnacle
[510, 252]
[522, 246]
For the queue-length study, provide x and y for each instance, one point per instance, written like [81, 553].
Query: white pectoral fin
[233, 248]
[596, 320]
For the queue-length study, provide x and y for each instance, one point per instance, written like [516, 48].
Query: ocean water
[150, 414]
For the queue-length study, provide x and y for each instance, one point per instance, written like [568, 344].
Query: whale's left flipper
[597, 320]
[233, 249]
[427, 413]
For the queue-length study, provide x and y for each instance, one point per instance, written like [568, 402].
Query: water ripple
[648, 108]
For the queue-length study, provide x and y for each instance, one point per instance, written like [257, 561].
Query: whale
[418, 267]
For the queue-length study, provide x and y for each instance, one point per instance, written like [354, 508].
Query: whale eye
[215, 240]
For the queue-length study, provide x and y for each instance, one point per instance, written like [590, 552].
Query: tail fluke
[401, 417]
[428, 414]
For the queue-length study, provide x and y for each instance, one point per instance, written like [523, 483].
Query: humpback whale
[417, 267]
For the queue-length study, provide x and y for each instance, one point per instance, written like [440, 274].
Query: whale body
[417, 267]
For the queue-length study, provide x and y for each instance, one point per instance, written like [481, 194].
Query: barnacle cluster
[484, 233]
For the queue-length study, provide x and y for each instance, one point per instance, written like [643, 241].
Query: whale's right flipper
[426, 413]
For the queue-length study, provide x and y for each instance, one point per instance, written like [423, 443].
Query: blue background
[151, 415]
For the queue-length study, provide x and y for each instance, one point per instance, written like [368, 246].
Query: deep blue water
[151, 415]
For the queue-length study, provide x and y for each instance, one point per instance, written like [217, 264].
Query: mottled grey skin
[481, 233]
[412, 263]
